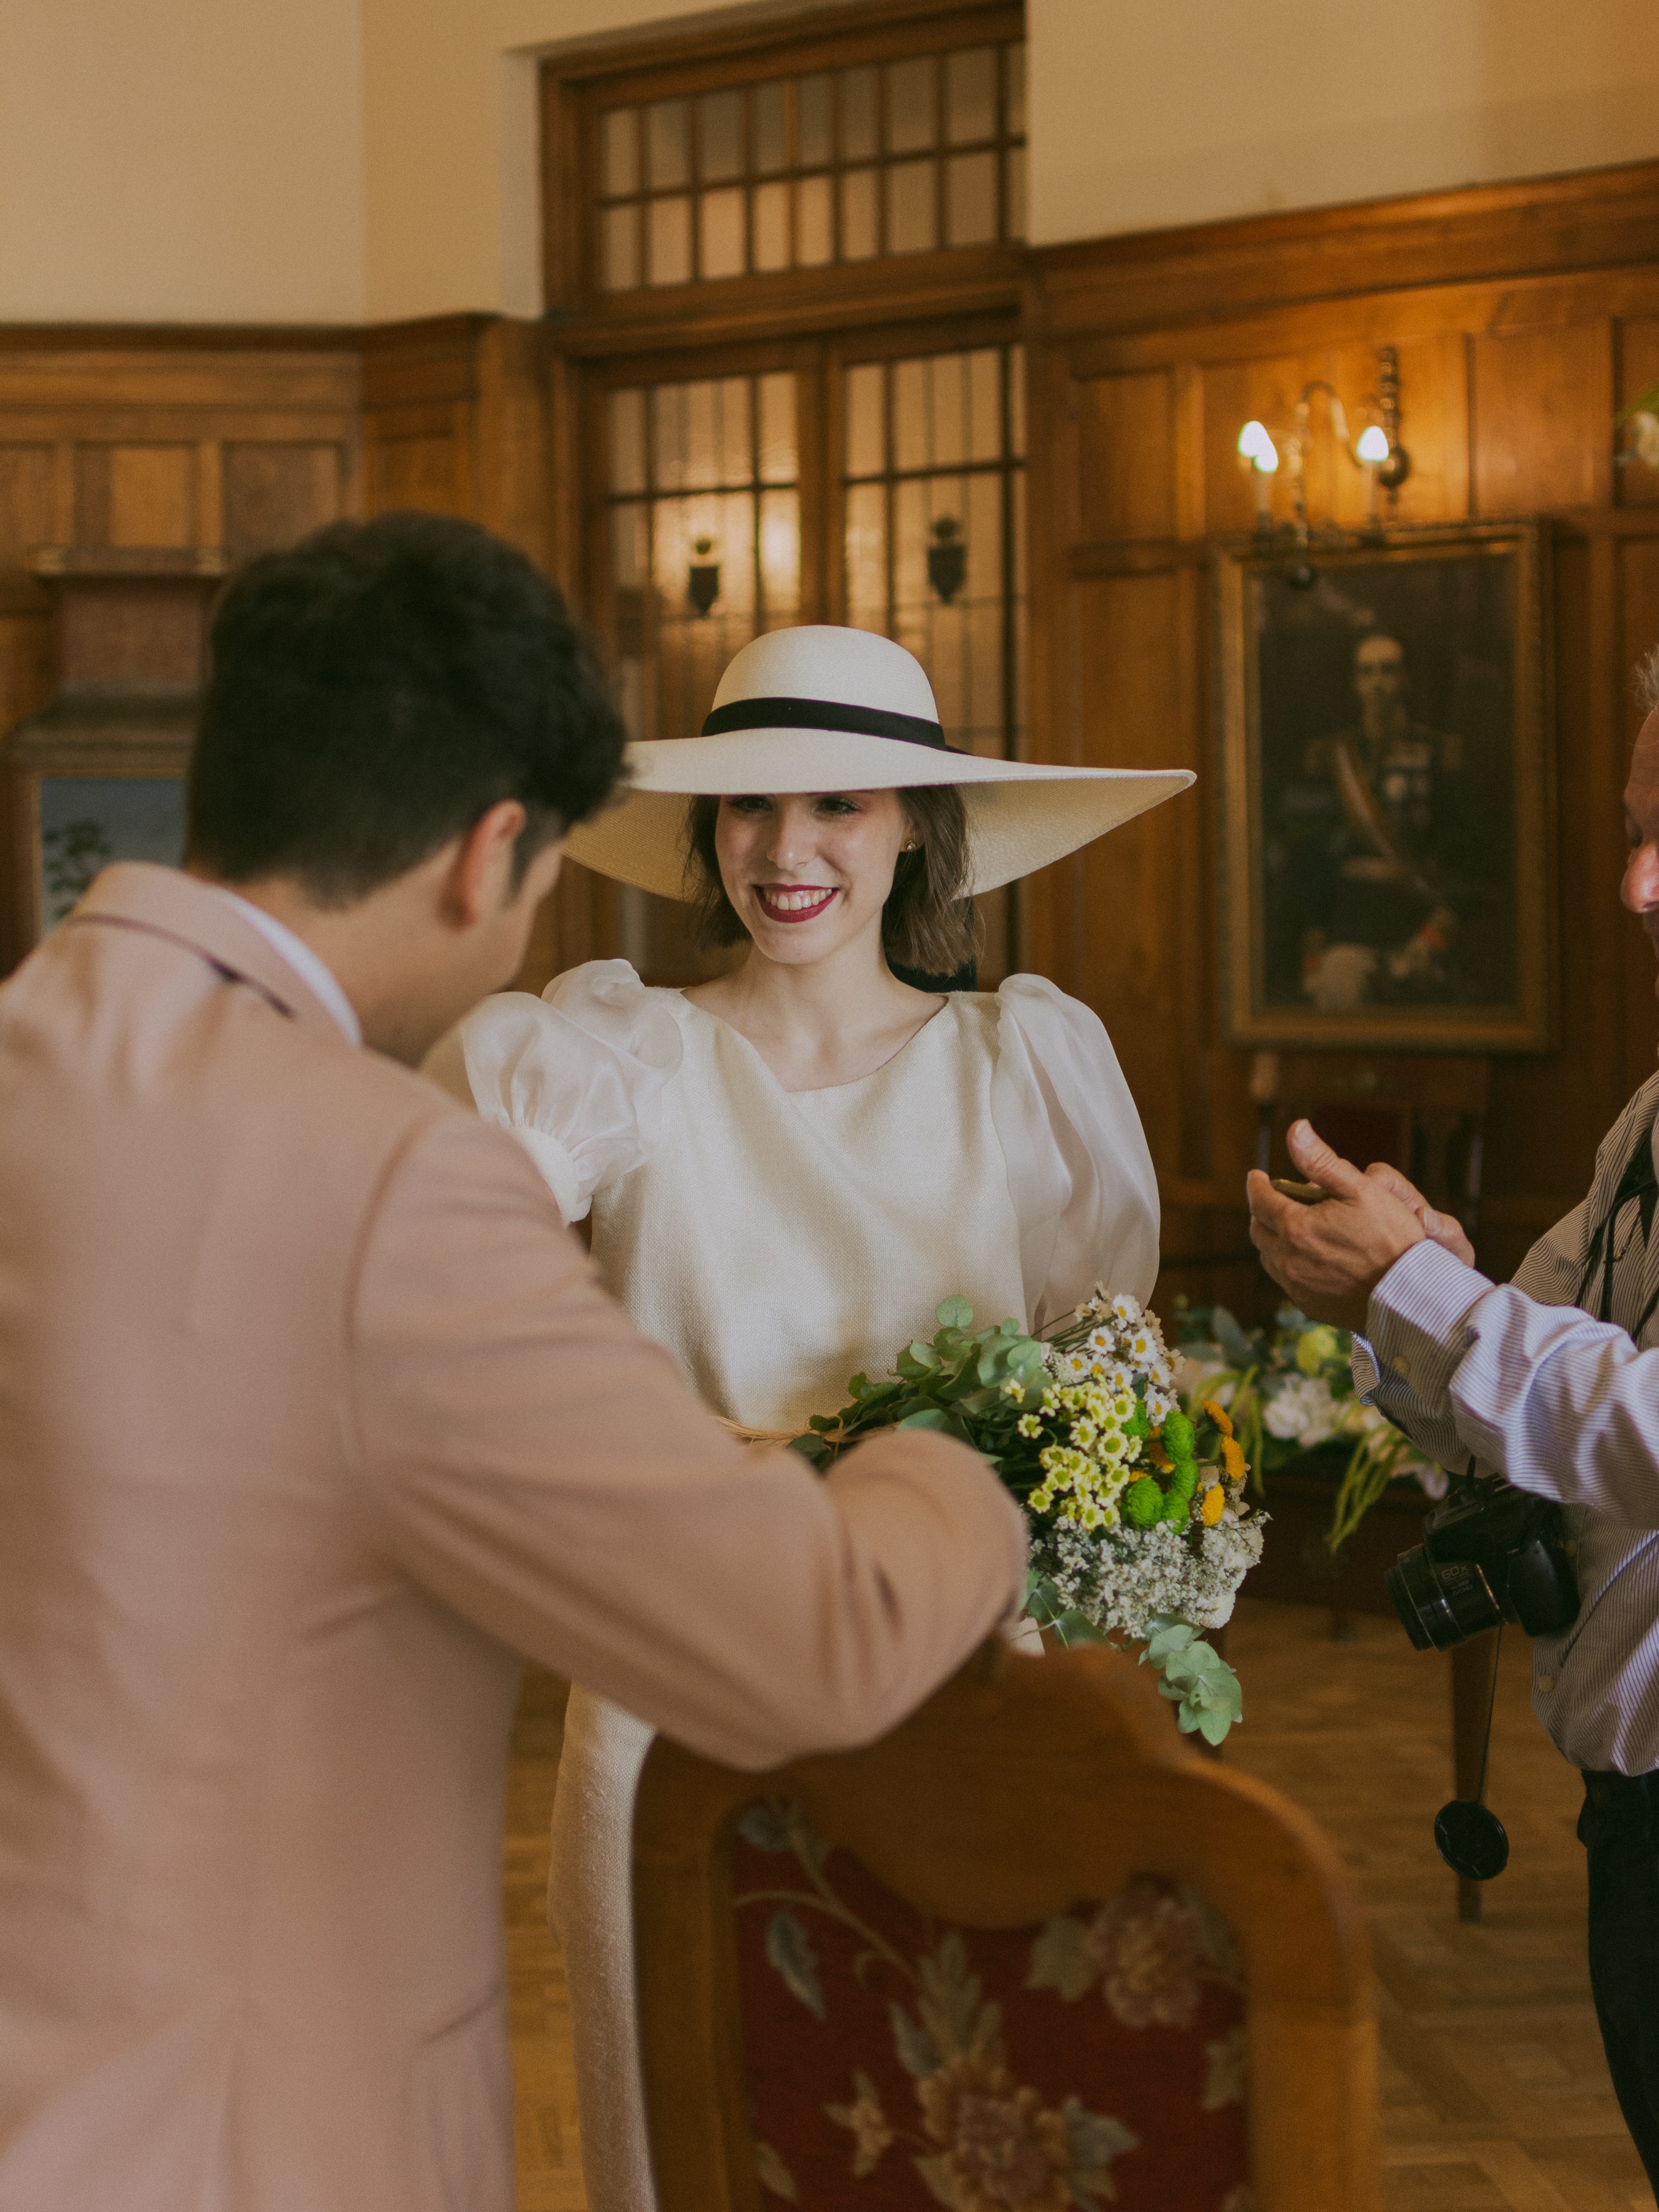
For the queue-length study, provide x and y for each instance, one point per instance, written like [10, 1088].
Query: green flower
[1143, 1503]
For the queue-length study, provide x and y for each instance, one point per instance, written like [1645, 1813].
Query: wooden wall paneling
[1512, 363]
[25, 498]
[1547, 1113]
[1128, 961]
[152, 494]
[420, 395]
[271, 494]
[1544, 404]
[130, 438]
[25, 658]
[415, 461]
[1125, 455]
[511, 493]
[456, 414]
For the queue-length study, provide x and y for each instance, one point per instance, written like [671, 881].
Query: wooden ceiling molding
[1544, 228]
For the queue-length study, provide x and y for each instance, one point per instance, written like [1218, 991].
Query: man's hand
[1330, 1257]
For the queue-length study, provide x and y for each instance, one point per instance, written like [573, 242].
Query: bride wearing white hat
[787, 1167]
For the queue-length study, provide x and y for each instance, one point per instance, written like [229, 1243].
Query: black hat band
[825, 714]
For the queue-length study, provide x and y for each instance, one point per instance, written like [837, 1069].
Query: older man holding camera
[1553, 1382]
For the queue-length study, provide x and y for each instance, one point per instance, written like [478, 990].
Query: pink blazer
[312, 1419]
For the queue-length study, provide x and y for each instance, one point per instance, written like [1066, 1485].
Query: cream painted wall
[337, 160]
[1142, 115]
[451, 130]
[1192, 111]
[180, 160]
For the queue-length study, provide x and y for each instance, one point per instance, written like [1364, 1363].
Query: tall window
[788, 277]
[933, 484]
[705, 536]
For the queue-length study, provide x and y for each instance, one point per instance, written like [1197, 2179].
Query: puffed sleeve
[1078, 1170]
[577, 1075]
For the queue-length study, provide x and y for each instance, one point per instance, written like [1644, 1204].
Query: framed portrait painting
[1387, 876]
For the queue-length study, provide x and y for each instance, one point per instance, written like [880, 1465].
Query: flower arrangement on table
[1289, 1390]
[1139, 1521]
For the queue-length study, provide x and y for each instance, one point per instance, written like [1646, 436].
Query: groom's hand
[1331, 1256]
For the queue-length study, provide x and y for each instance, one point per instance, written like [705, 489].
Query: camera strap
[1637, 1184]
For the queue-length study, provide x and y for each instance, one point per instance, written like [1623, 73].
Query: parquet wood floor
[1495, 2090]
[1496, 2094]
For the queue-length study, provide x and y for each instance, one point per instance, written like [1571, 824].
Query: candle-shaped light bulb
[1258, 450]
[1373, 447]
[1256, 447]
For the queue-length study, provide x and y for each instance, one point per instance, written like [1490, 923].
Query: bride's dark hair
[927, 923]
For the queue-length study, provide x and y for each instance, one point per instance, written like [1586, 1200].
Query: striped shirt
[1521, 1378]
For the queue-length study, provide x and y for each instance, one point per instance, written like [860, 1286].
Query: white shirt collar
[312, 971]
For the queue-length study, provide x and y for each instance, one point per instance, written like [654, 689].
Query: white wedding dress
[777, 1242]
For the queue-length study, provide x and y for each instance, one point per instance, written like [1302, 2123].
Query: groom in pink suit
[312, 1419]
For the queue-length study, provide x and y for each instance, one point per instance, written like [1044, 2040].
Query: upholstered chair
[1028, 1953]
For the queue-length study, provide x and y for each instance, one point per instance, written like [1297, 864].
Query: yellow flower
[1161, 1459]
[1215, 1502]
[1220, 1415]
[1232, 1458]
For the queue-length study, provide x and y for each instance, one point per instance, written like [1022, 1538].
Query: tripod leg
[1471, 1699]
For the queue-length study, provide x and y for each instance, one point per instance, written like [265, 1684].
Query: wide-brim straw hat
[822, 708]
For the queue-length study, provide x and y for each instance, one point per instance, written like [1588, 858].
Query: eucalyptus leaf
[955, 1313]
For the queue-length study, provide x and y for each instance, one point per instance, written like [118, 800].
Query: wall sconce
[1377, 451]
[702, 577]
[947, 558]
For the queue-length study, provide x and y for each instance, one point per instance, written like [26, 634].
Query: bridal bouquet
[1139, 1523]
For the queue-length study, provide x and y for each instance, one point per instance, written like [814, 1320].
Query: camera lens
[1441, 1603]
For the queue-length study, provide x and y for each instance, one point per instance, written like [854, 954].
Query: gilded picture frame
[1387, 866]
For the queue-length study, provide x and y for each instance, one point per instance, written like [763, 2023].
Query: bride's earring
[910, 847]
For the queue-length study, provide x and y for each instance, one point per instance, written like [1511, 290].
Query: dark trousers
[1618, 1827]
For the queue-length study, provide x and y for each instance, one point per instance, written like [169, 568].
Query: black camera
[1490, 1554]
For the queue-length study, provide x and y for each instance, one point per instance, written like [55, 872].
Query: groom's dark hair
[376, 688]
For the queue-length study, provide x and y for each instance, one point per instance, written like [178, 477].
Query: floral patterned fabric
[894, 2064]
